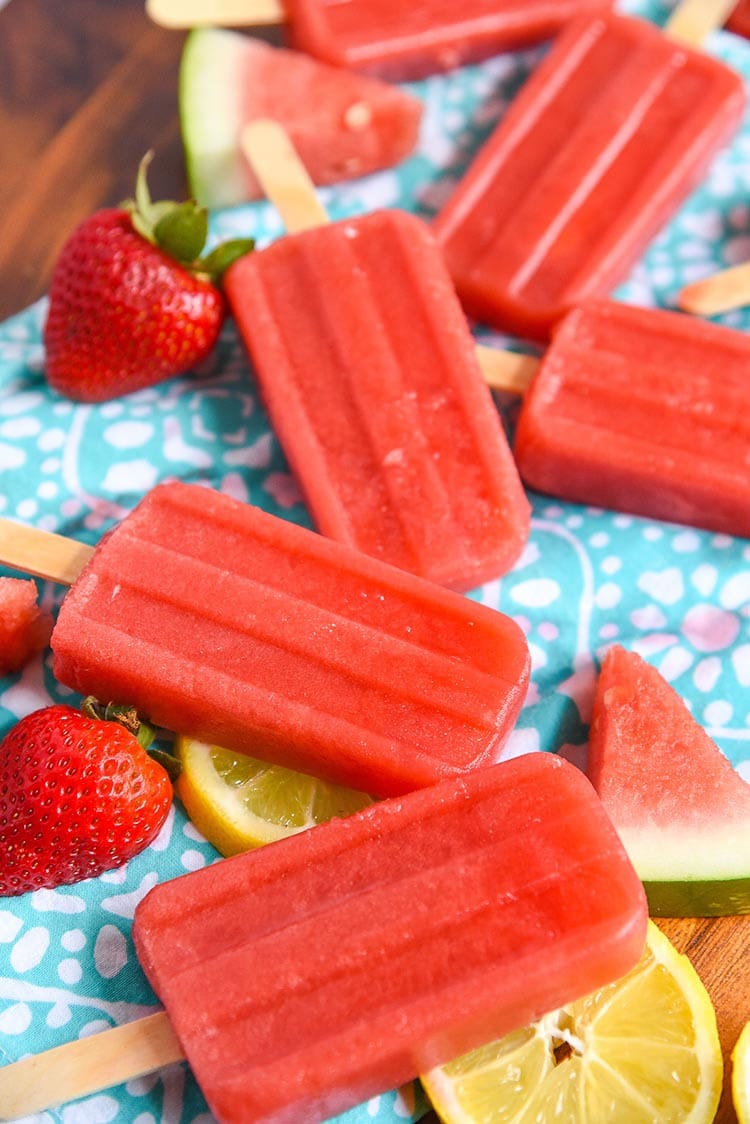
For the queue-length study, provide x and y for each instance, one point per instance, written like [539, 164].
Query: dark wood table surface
[86, 87]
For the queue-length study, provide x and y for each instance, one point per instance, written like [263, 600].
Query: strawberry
[78, 795]
[131, 300]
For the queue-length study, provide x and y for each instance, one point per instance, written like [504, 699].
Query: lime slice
[741, 1076]
[238, 802]
[641, 1050]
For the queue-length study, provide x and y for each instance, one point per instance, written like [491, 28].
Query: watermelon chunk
[342, 124]
[24, 628]
[680, 808]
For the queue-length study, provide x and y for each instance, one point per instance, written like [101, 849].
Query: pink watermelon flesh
[24, 628]
[343, 125]
[648, 757]
[682, 810]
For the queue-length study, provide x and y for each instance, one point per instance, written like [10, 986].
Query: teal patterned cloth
[588, 578]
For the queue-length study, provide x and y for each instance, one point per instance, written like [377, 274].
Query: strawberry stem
[141, 730]
[126, 716]
[180, 229]
[171, 764]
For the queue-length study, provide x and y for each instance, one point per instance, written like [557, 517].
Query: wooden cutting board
[719, 949]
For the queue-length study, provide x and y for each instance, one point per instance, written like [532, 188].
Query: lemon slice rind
[238, 802]
[642, 1049]
[741, 1076]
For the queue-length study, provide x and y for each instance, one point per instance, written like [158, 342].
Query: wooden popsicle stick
[282, 175]
[183, 14]
[42, 553]
[692, 21]
[286, 184]
[720, 293]
[87, 1065]
[507, 370]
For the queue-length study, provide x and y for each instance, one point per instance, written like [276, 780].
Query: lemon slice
[238, 802]
[643, 1050]
[741, 1076]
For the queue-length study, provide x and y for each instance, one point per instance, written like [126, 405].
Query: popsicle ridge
[372, 426]
[402, 607]
[604, 142]
[364, 941]
[397, 968]
[649, 416]
[477, 449]
[408, 618]
[398, 40]
[540, 140]
[273, 1023]
[606, 398]
[353, 868]
[297, 650]
[515, 231]
[265, 616]
[378, 441]
[361, 940]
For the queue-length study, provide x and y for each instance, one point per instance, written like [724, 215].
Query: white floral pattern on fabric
[587, 578]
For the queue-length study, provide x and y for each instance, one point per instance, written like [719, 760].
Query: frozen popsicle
[369, 373]
[615, 127]
[642, 411]
[389, 38]
[221, 621]
[307, 976]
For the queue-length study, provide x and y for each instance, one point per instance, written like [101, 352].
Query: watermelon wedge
[679, 807]
[342, 124]
[24, 627]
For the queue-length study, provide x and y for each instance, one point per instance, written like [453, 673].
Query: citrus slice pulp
[238, 802]
[643, 1050]
[741, 1076]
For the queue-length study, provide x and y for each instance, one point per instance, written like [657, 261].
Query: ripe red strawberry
[78, 796]
[131, 300]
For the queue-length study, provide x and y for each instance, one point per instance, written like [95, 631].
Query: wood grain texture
[75, 128]
[719, 950]
[87, 87]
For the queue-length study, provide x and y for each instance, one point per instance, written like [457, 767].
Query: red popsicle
[304, 977]
[642, 411]
[393, 39]
[610, 133]
[398, 40]
[370, 377]
[219, 620]
[315, 973]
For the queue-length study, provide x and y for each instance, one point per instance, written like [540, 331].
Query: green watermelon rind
[210, 116]
[680, 808]
[697, 868]
[698, 898]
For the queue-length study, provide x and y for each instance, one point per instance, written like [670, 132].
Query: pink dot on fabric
[710, 629]
[548, 630]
